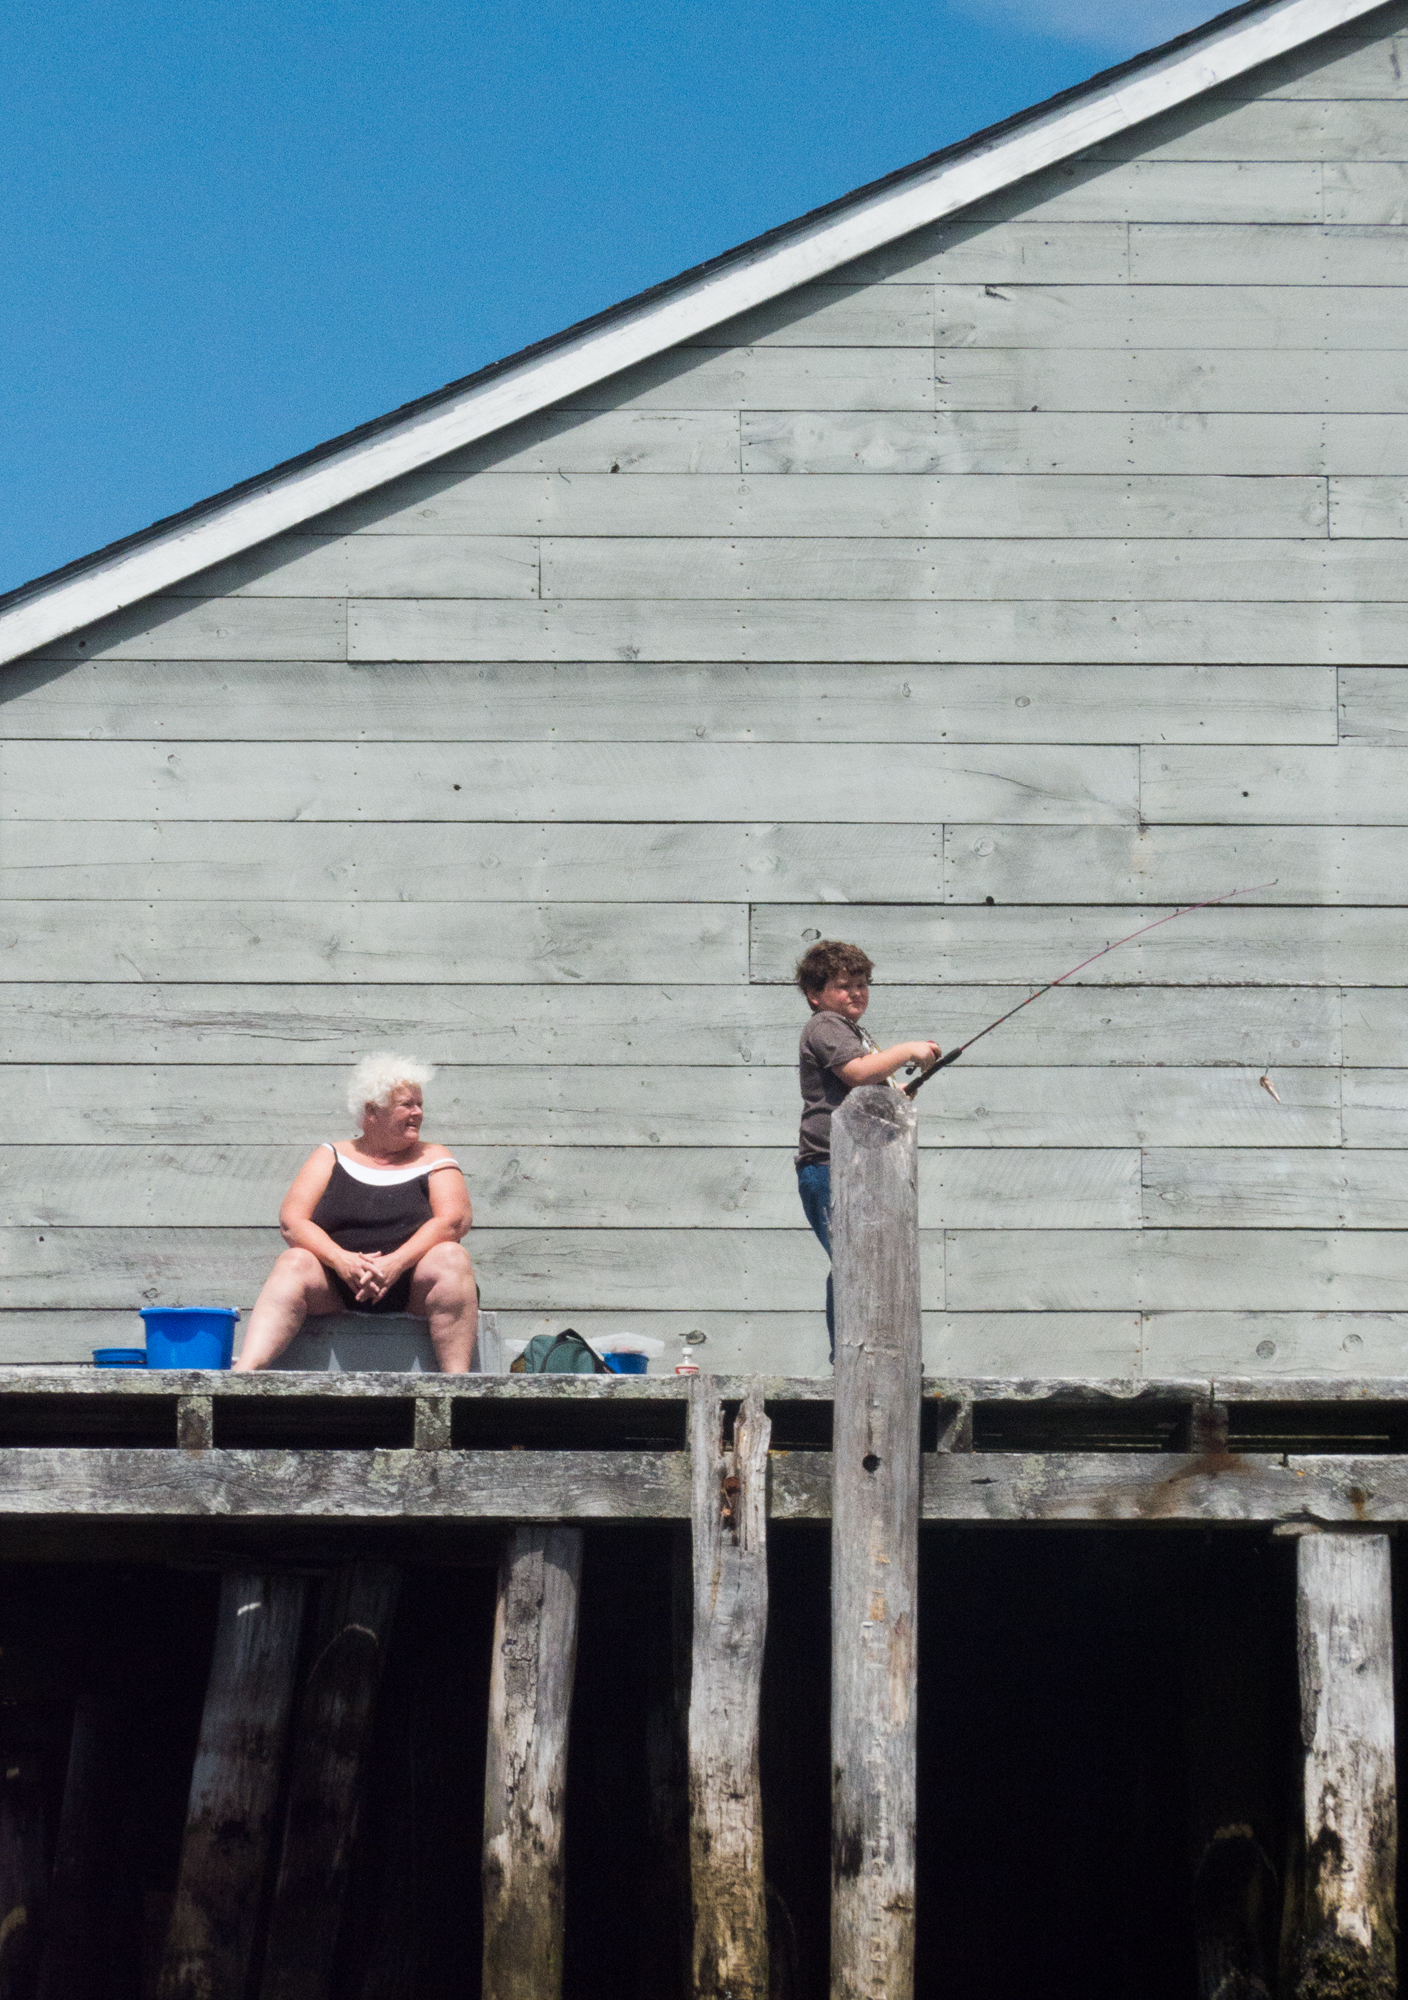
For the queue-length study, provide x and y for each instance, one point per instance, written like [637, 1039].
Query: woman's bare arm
[299, 1230]
[450, 1219]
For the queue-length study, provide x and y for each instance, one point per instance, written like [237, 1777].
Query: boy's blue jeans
[814, 1186]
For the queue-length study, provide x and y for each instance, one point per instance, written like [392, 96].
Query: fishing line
[953, 1054]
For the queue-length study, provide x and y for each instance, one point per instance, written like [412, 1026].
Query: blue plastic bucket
[190, 1336]
[119, 1357]
[625, 1364]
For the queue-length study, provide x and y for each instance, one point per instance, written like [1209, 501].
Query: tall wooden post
[79, 1931]
[230, 1821]
[729, 1510]
[331, 1738]
[525, 1777]
[1344, 1629]
[874, 1544]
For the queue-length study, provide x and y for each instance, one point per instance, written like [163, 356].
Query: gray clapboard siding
[1369, 507]
[305, 861]
[623, 441]
[1267, 129]
[607, 782]
[839, 314]
[1269, 318]
[332, 943]
[1367, 191]
[832, 504]
[219, 628]
[1375, 1109]
[604, 1270]
[1375, 1028]
[1165, 864]
[771, 378]
[1167, 191]
[1016, 438]
[564, 1187]
[1367, 60]
[1025, 252]
[484, 1104]
[1267, 253]
[1172, 383]
[664, 1023]
[1337, 1189]
[1037, 629]
[1287, 1344]
[612, 701]
[425, 565]
[818, 568]
[1227, 946]
[1176, 1270]
[1353, 785]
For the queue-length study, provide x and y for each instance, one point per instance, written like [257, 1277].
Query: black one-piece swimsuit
[375, 1215]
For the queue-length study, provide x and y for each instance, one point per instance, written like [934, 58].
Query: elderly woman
[374, 1226]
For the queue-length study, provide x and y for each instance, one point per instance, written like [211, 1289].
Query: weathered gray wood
[874, 1545]
[1375, 1027]
[1355, 784]
[231, 1816]
[1368, 506]
[330, 1747]
[582, 782]
[428, 565]
[1275, 1189]
[728, 1499]
[491, 1345]
[1265, 254]
[864, 316]
[1166, 191]
[79, 1933]
[770, 378]
[525, 1785]
[1346, 1928]
[961, 249]
[195, 1423]
[1366, 191]
[1363, 61]
[1375, 1107]
[624, 441]
[1036, 629]
[1185, 314]
[219, 628]
[1272, 129]
[1278, 1344]
[1373, 708]
[333, 943]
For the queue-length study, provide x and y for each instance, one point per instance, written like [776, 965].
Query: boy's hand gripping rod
[943, 1062]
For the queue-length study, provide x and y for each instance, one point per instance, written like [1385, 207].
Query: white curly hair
[377, 1078]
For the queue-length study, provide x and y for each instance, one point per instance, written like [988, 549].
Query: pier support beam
[230, 1821]
[874, 1544]
[331, 1739]
[1344, 1628]
[729, 1897]
[525, 1779]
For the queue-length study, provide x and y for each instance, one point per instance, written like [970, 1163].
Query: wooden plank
[1364, 61]
[525, 1779]
[1268, 129]
[1162, 388]
[605, 1270]
[855, 315]
[1175, 1270]
[1023, 252]
[1344, 1932]
[1016, 439]
[1151, 1487]
[331, 1743]
[1227, 946]
[995, 1343]
[1266, 253]
[585, 782]
[220, 628]
[615, 702]
[1375, 1109]
[332, 943]
[822, 568]
[730, 1025]
[1375, 1028]
[770, 378]
[1189, 314]
[1168, 864]
[1084, 190]
[747, 629]
[975, 1107]
[728, 1501]
[1272, 1189]
[424, 565]
[1368, 507]
[826, 504]
[561, 1187]
[625, 441]
[1353, 785]
[1366, 191]
[874, 1545]
[1276, 1345]
[302, 860]
[231, 1815]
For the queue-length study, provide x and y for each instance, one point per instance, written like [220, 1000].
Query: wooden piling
[331, 1740]
[525, 1780]
[729, 1518]
[1346, 1927]
[77, 1958]
[231, 1817]
[874, 1544]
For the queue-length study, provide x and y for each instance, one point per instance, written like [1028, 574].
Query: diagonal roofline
[140, 565]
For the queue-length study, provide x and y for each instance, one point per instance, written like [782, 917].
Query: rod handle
[924, 1075]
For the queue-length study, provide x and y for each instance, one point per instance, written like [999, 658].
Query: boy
[836, 1055]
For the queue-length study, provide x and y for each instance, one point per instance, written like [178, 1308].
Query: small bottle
[686, 1365]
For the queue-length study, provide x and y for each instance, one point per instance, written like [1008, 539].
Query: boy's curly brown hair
[829, 960]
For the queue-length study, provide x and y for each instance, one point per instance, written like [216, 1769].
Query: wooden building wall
[1040, 571]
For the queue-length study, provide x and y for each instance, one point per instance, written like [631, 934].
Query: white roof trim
[684, 311]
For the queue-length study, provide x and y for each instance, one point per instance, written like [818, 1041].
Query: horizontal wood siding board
[607, 782]
[1268, 129]
[624, 441]
[1189, 315]
[1024, 252]
[1284, 1344]
[1367, 506]
[1354, 784]
[771, 378]
[1375, 1107]
[215, 628]
[621, 702]
[729, 1023]
[1311, 1189]
[1260, 253]
[1082, 190]
[426, 565]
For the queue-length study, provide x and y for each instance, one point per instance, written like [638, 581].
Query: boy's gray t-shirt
[829, 1042]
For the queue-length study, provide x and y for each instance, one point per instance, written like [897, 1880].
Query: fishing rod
[952, 1057]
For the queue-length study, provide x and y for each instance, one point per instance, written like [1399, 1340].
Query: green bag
[564, 1353]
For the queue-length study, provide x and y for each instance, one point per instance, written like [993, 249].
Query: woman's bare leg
[443, 1291]
[297, 1285]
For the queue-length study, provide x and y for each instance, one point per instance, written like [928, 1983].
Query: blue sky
[232, 231]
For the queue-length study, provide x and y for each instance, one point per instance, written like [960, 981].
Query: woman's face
[395, 1127]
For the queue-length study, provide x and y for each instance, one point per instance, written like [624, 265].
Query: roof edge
[143, 564]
